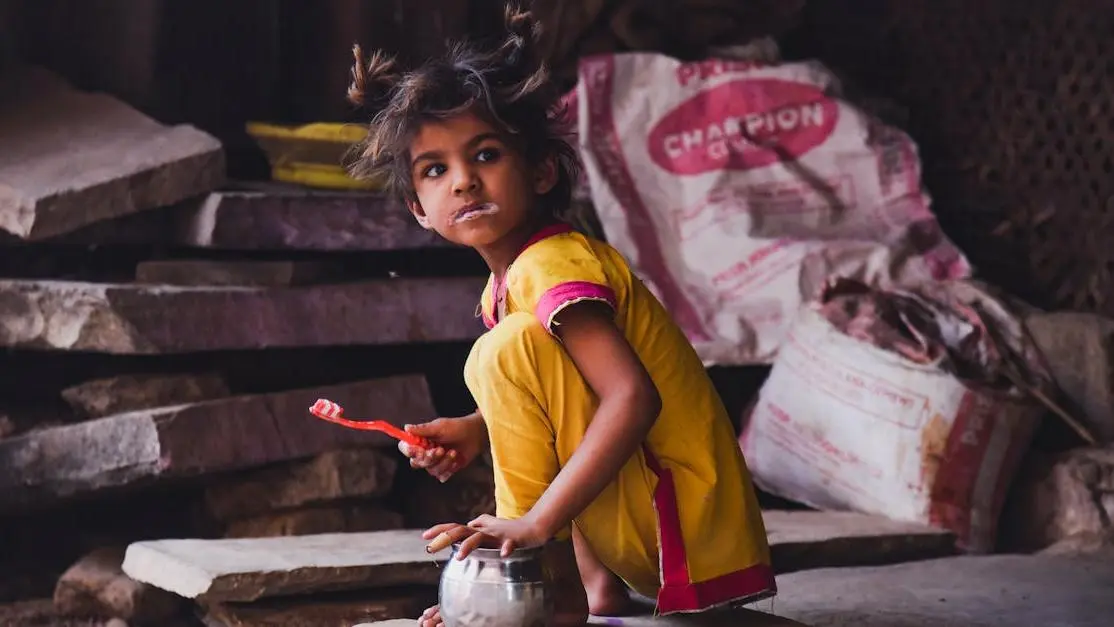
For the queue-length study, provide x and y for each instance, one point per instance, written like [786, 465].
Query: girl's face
[472, 188]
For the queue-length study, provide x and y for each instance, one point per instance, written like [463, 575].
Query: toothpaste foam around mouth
[472, 214]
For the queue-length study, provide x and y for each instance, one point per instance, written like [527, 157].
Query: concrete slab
[965, 591]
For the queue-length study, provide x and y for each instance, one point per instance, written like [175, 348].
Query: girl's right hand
[458, 441]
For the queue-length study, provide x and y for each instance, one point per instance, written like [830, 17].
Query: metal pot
[488, 590]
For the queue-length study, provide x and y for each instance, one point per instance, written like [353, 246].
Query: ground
[986, 591]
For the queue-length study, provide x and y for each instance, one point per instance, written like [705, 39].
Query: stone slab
[249, 569]
[115, 395]
[235, 433]
[205, 272]
[976, 591]
[804, 539]
[324, 610]
[138, 319]
[272, 217]
[244, 570]
[304, 220]
[72, 158]
[331, 476]
[737, 617]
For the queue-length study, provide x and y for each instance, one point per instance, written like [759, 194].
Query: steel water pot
[486, 589]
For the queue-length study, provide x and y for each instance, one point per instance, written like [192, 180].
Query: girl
[603, 427]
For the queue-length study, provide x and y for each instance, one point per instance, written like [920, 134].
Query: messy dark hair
[508, 87]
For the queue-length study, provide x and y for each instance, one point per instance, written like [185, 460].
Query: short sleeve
[556, 273]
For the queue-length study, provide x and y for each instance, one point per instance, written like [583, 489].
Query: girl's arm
[628, 406]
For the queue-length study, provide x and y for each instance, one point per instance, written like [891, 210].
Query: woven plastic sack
[875, 415]
[735, 187]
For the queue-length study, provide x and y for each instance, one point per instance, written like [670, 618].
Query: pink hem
[560, 296]
[678, 592]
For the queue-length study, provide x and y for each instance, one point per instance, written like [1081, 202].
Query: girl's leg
[607, 596]
[537, 408]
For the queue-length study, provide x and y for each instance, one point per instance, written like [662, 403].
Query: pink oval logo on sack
[742, 125]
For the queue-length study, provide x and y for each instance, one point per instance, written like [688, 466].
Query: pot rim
[487, 553]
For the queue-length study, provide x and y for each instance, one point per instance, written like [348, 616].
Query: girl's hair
[508, 87]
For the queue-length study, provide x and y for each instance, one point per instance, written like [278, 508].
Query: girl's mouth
[473, 211]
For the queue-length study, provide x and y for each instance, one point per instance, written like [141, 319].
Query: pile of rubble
[138, 292]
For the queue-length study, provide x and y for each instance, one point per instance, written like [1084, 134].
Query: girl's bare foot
[431, 617]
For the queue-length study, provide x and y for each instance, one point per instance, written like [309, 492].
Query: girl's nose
[465, 182]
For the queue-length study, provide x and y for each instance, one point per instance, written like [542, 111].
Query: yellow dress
[681, 523]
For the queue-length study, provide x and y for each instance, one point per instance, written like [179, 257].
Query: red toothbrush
[332, 412]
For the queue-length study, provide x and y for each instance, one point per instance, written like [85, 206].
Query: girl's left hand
[488, 530]
[519, 533]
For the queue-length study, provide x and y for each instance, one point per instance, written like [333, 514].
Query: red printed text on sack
[742, 125]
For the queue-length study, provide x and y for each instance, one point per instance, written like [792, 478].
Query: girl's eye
[434, 170]
[487, 154]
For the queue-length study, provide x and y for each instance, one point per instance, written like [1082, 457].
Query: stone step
[234, 433]
[249, 569]
[801, 540]
[273, 218]
[143, 319]
[72, 158]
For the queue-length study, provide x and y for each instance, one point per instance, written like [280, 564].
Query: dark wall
[218, 64]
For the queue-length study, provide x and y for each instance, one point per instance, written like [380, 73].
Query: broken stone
[1079, 350]
[72, 158]
[1084, 543]
[335, 519]
[104, 397]
[1057, 498]
[332, 476]
[96, 586]
[138, 319]
[802, 539]
[249, 569]
[229, 434]
[204, 272]
[338, 610]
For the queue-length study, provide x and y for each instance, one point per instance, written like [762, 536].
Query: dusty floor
[989, 591]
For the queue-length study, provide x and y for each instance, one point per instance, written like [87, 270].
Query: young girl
[602, 424]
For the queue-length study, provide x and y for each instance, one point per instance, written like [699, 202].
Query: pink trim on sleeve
[560, 296]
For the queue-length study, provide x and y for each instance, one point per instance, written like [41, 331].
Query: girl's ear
[545, 176]
[419, 214]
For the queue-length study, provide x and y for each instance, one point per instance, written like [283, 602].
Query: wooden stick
[439, 543]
